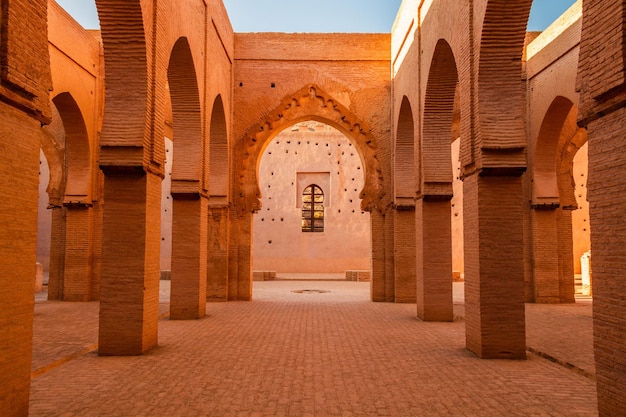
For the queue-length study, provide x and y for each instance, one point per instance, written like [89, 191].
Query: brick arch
[572, 143]
[404, 155]
[53, 147]
[186, 119]
[309, 103]
[499, 71]
[553, 182]
[77, 150]
[126, 73]
[438, 122]
[218, 151]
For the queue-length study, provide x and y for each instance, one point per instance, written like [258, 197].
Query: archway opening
[189, 203]
[559, 208]
[311, 224]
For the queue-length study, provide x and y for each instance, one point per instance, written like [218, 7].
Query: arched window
[313, 209]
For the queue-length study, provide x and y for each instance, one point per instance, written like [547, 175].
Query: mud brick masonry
[519, 107]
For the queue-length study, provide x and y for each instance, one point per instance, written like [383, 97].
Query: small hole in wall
[339, 211]
[269, 241]
[162, 238]
[353, 211]
[282, 219]
[358, 167]
[269, 153]
[273, 85]
[262, 219]
[240, 84]
[272, 219]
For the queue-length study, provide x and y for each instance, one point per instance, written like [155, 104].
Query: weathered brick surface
[189, 262]
[607, 195]
[494, 279]
[19, 162]
[130, 265]
[434, 260]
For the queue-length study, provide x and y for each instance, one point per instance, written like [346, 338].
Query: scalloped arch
[309, 103]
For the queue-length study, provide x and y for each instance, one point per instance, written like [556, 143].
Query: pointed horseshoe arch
[310, 103]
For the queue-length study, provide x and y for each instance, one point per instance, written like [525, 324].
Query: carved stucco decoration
[310, 103]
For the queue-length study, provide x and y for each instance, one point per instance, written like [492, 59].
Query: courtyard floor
[311, 353]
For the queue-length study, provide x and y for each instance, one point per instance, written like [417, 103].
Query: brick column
[189, 257]
[96, 251]
[129, 292]
[434, 259]
[57, 254]
[19, 163]
[404, 254]
[217, 254]
[494, 278]
[240, 257]
[77, 264]
[545, 243]
[607, 201]
[566, 256]
[382, 283]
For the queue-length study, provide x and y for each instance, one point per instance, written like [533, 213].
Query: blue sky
[317, 15]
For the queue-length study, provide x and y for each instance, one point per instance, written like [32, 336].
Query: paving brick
[317, 354]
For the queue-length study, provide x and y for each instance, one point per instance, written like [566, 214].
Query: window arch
[313, 209]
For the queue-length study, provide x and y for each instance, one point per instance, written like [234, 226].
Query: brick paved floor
[310, 354]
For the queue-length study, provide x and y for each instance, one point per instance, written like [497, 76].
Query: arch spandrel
[310, 103]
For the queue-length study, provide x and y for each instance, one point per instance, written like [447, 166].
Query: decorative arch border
[309, 103]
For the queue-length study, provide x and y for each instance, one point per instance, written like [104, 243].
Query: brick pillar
[494, 278]
[129, 291]
[382, 283]
[566, 256]
[607, 200]
[96, 252]
[545, 243]
[404, 254]
[217, 254]
[189, 257]
[434, 259]
[77, 271]
[19, 163]
[57, 254]
[240, 257]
